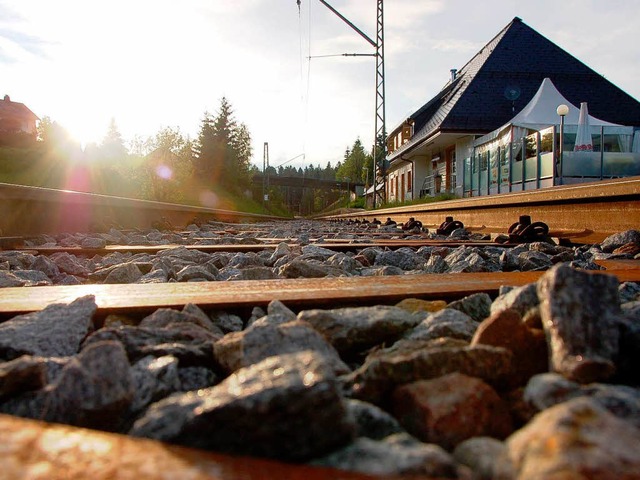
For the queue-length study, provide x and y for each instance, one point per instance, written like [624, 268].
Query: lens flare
[209, 199]
[164, 172]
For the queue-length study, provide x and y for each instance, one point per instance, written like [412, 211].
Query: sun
[84, 128]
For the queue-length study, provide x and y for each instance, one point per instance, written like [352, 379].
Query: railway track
[301, 293]
[34, 210]
[581, 213]
[52, 450]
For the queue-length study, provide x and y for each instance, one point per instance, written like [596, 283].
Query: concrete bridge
[302, 182]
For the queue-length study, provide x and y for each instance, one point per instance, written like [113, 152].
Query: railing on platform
[433, 185]
[534, 162]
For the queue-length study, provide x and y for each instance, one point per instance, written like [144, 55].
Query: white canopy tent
[524, 150]
[540, 113]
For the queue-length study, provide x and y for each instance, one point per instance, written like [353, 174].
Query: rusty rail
[35, 210]
[584, 213]
[33, 449]
[295, 293]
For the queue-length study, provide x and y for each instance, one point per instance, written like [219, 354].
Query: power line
[290, 160]
[344, 55]
[380, 131]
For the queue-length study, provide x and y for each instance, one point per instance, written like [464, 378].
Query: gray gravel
[302, 260]
[475, 388]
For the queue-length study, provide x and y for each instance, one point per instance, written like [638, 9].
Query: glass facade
[534, 161]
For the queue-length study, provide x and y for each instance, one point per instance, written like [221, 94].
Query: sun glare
[94, 74]
[91, 130]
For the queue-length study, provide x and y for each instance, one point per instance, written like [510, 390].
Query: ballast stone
[577, 437]
[262, 340]
[9, 279]
[507, 329]
[25, 373]
[480, 454]
[353, 330]
[580, 312]
[405, 260]
[56, 331]
[548, 389]
[447, 322]
[617, 240]
[450, 409]
[32, 278]
[477, 306]
[70, 264]
[190, 344]
[153, 379]
[287, 407]
[397, 454]
[385, 369]
[94, 389]
[371, 421]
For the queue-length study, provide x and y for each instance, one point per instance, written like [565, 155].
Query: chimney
[454, 74]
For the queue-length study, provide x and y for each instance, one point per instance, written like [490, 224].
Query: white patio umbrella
[635, 146]
[583, 135]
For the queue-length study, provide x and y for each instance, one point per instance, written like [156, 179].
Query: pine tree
[242, 152]
[223, 149]
[204, 150]
[112, 146]
[355, 162]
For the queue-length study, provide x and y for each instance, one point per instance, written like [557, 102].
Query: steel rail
[299, 293]
[55, 451]
[28, 210]
[584, 213]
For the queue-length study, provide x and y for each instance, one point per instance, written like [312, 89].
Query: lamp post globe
[562, 111]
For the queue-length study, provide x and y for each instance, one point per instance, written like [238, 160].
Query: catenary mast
[380, 138]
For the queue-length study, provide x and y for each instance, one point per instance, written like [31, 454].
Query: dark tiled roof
[9, 108]
[519, 57]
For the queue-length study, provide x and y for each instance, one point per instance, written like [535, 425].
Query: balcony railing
[534, 162]
[433, 185]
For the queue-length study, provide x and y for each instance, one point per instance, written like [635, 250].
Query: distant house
[16, 122]
[431, 150]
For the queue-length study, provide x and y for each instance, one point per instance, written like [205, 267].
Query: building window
[409, 185]
[484, 161]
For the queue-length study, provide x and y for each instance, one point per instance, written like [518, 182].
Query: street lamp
[562, 111]
[348, 191]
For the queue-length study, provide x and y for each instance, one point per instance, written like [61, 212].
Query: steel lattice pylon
[380, 138]
[380, 123]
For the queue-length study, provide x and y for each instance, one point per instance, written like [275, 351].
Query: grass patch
[420, 201]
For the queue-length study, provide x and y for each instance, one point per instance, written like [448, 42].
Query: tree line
[172, 167]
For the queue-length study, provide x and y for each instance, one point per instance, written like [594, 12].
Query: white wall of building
[398, 183]
[464, 149]
[421, 168]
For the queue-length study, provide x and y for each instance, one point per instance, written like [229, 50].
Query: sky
[151, 64]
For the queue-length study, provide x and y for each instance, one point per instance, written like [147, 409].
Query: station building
[17, 122]
[494, 128]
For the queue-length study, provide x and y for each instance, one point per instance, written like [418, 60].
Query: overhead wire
[344, 55]
[300, 52]
[290, 160]
[309, 55]
[304, 93]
